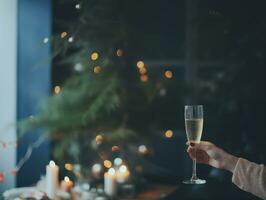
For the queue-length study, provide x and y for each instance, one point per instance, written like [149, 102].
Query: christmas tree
[106, 106]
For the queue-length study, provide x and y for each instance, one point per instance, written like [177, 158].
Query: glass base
[194, 181]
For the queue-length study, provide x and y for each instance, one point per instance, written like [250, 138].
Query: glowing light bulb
[57, 89]
[63, 34]
[169, 133]
[168, 74]
[140, 64]
[119, 52]
[68, 166]
[99, 139]
[94, 56]
[115, 148]
[97, 69]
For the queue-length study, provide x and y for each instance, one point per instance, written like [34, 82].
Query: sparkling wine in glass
[194, 126]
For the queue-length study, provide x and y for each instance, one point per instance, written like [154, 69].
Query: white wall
[8, 69]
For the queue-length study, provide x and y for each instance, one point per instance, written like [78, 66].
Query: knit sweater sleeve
[250, 177]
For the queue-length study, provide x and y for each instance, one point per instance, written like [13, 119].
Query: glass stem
[194, 168]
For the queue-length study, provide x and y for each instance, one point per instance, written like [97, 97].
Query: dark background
[216, 50]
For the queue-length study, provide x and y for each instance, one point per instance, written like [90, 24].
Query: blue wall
[34, 23]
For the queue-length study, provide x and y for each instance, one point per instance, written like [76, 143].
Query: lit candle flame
[52, 163]
[66, 179]
[111, 171]
[123, 169]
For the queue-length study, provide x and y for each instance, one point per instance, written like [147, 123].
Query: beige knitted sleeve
[250, 177]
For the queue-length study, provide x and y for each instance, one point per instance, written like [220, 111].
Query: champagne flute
[194, 126]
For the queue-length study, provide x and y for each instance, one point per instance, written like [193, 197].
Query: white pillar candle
[52, 171]
[110, 185]
[122, 174]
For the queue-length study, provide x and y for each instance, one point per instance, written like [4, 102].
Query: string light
[140, 64]
[2, 177]
[96, 168]
[78, 67]
[163, 92]
[45, 40]
[168, 133]
[57, 89]
[143, 149]
[24, 159]
[94, 56]
[99, 139]
[168, 74]
[13, 172]
[63, 34]
[107, 163]
[97, 69]
[68, 166]
[77, 6]
[115, 148]
[143, 70]
[118, 161]
[144, 78]
[70, 39]
[119, 52]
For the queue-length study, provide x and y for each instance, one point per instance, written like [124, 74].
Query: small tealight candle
[122, 174]
[110, 185]
[52, 171]
[66, 184]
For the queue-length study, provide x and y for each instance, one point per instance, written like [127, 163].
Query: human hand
[208, 153]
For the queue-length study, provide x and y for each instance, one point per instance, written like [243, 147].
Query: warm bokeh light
[119, 52]
[63, 34]
[99, 139]
[68, 166]
[115, 148]
[168, 133]
[107, 163]
[94, 56]
[144, 78]
[97, 69]
[140, 64]
[143, 70]
[168, 74]
[57, 89]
